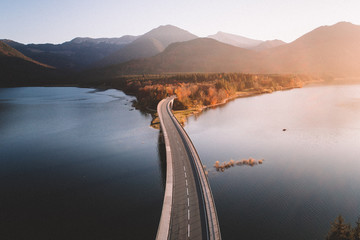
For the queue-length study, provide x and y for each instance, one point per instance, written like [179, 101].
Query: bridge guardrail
[212, 223]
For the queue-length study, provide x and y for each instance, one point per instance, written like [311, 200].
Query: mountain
[332, 50]
[117, 41]
[235, 40]
[7, 51]
[243, 42]
[198, 55]
[18, 69]
[76, 54]
[149, 44]
[268, 44]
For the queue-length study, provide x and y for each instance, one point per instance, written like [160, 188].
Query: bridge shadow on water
[162, 158]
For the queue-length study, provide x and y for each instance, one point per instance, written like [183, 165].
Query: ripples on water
[311, 172]
[77, 164]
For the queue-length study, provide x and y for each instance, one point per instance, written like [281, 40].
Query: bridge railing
[212, 223]
[165, 219]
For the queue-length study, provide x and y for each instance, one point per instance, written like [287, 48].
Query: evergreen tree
[356, 230]
[339, 230]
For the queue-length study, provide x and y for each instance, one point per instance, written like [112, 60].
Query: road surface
[188, 210]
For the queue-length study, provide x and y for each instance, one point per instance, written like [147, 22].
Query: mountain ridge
[148, 44]
[75, 54]
[235, 40]
[268, 44]
[126, 39]
[16, 69]
[327, 50]
[7, 51]
[330, 50]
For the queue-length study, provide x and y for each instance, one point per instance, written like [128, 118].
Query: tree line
[343, 231]
[203, 89]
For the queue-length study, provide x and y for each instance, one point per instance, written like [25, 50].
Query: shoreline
[183, 115]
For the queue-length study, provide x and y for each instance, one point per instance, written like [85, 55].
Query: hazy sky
[54, 21]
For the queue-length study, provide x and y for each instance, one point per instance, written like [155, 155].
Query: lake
[77, 164]
[80, 163]
[310, 173]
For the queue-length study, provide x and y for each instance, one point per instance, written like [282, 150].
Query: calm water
[83, 164]
[311, 172]
[77, 164]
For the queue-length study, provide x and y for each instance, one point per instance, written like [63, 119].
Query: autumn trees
[202, 89]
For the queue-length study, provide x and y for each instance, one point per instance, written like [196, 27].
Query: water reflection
[162, 158]
[311, 172]
[77, 164]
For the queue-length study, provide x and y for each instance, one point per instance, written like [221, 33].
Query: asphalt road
[188, 219]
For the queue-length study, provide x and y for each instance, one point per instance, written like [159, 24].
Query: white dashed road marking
[188, 200]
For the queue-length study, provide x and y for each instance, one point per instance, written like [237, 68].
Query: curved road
[188, 210]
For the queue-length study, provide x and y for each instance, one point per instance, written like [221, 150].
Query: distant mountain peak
[324, 33]
[339, 25]
[149, 44]
[235, 40]
[168, 26]
[117, 41]
[344, 23]
[269, 44]
[346, 26]
[168, 30]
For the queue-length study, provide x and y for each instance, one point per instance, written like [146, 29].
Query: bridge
[189, 210]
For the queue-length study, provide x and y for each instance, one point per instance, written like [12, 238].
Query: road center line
[186, 182]
[188, 230]
[188, 214]
[188, 202]
[187, 191]
[184, 169]
[185, 175]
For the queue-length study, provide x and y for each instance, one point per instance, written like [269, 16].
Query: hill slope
[149, 44]
[16, 69]
[328, 49]
[268, 44]
[76, 54]
[8, 51]
[235, 40]
[198, 55]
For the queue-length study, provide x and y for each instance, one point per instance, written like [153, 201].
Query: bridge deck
[188, 210]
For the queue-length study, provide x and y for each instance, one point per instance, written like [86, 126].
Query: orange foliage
[169, 91]
[204, 89]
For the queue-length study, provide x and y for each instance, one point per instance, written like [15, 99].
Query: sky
[54, 21]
